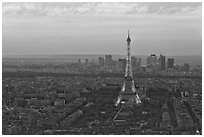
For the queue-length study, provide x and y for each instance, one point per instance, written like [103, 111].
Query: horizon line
[64, 54]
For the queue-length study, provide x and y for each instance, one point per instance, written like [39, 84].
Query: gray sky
[93, 28]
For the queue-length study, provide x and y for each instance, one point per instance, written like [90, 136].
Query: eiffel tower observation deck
[128, 94]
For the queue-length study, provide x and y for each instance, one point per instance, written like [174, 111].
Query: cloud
[65, 9]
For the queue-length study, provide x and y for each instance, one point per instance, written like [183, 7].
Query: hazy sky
[101, 28]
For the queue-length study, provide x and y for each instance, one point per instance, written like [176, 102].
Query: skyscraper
[136, 63]
[152, 61]
[122, 63]
[139, 62]
[108, 60]
[162, 62]
[101, 61]
[86, 62]
[170, 62]
[79, 61]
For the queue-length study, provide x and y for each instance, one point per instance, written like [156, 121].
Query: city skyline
[100, 28]
[102, 68]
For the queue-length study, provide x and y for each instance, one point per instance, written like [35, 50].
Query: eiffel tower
[128, 94]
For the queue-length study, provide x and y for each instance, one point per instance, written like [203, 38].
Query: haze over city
[102, 69]
[98, 28]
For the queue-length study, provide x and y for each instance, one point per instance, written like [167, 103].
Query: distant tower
[79, 61]
[134, 62]
[170, 62]
[101, 61]
[139, 62]
[152, 60]
[108, 60]
[86, 62]
[122, 63]
[128, 92]
[162, 62]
